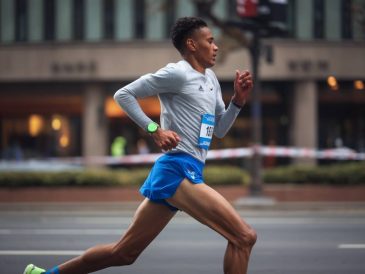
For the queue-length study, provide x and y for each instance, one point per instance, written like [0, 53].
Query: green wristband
[152, 127]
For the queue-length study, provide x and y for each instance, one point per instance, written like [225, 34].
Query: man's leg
[149, 219]
[212, 209]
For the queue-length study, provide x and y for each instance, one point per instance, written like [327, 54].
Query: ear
[190, 44]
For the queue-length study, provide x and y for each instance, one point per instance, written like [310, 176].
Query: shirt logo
[201, 88]
[192, 174]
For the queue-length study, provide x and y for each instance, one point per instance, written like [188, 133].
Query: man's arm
[243, 85]
[165, 80]
[126, 98]
[224, 118]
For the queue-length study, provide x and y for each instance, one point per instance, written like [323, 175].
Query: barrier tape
[267, 151]
[231, 153]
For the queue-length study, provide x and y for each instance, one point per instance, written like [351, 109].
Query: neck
[194, 63]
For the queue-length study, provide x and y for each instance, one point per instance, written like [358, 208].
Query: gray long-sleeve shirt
[185, 96]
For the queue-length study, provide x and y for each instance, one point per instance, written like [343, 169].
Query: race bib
[206, 131]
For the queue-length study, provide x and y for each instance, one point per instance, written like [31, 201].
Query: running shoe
[32, 269]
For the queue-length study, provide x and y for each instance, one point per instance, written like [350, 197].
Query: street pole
[256, 163]
[255, 27]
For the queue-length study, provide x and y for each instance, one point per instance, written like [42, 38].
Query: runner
[192, 110]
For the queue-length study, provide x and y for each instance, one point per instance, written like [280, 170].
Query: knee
[124, 258]
[246, 238]
[252, 238]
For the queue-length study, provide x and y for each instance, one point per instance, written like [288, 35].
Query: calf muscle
[124, 252]
[212, 209]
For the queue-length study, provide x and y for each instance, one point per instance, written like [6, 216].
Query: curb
[120, 208]
[272, 196]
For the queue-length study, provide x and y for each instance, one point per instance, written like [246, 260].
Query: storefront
[61, 110]
[40, 121]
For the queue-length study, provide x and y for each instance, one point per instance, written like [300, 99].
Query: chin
[211, 64]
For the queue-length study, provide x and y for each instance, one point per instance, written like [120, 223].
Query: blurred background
[61, 62]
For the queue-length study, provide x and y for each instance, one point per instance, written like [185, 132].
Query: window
[78, 19]
[49, 19]
[109, 25]
[21, 18]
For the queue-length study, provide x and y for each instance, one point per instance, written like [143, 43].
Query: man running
[192, 110]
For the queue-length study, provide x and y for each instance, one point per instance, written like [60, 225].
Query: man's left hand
[243, 85]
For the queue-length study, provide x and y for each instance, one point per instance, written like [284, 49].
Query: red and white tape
[266, 151]
[293, 152]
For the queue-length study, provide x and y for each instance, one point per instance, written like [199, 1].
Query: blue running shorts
[166, 175]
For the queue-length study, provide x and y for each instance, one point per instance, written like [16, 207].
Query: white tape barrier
[330, 154]
[55, 164]
[267, 151]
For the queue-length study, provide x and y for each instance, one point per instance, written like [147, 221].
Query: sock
[54, 270]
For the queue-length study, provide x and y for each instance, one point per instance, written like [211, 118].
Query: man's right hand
[166, 139]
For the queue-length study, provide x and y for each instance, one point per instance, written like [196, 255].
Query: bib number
[206, 131]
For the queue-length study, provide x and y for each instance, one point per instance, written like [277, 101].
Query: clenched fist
[243, 85]
[166, 139]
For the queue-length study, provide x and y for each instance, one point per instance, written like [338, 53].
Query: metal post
[256, 176]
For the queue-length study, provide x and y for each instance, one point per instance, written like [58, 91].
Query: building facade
[62, 60]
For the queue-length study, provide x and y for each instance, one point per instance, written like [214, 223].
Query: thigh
[210, 208]
[148, 221]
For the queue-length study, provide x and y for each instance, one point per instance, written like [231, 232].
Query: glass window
[155, 15]
[64, 9]
[93, 20]
[35, 20]
[124, 19]
[185, 8]
[333, 19]
[35, 135]
[7, 22]
[21, 19]
[304, 19]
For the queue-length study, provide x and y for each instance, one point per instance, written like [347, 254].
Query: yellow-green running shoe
[32, 269]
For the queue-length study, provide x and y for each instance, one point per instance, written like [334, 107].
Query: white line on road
[40, 252]
[164, 244]
[352, 246]
[61, 231]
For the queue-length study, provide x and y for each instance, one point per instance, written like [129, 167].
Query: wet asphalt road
[290, 241]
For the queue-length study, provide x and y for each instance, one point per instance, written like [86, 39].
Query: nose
[215, 47]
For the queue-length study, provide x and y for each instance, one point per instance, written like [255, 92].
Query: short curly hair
[183, 29]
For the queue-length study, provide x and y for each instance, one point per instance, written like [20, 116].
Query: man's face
[206, 49]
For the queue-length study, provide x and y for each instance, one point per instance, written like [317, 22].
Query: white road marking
[165, 244]
[40, 252]
[352, 246]
[61, 231]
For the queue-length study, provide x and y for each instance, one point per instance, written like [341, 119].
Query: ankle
[54, 270]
